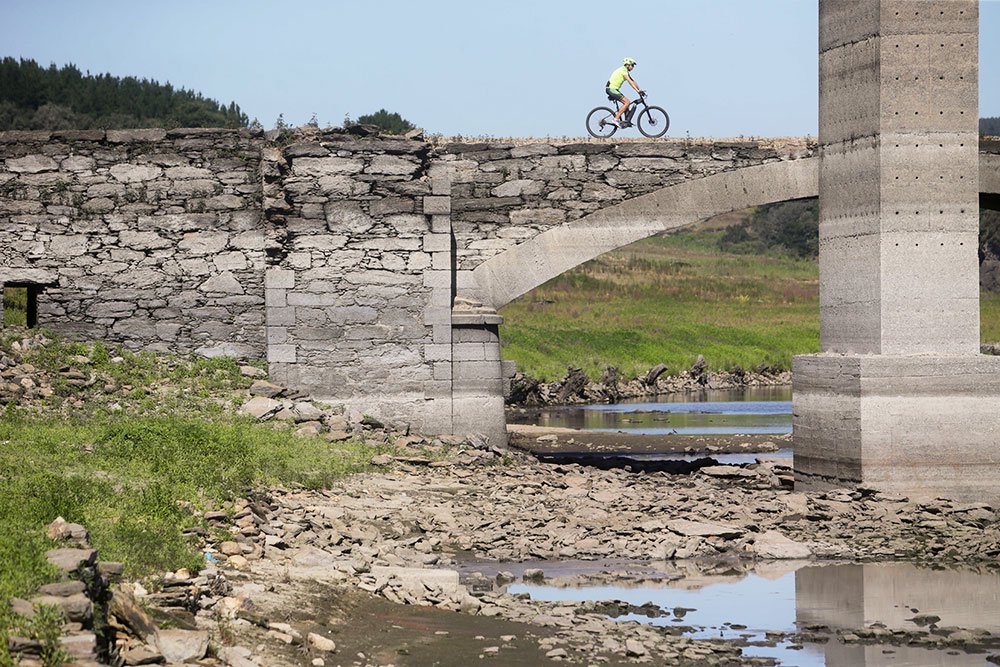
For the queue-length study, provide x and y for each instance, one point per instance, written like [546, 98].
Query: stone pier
[899, 398]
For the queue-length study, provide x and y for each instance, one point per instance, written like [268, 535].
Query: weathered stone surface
[124, 609]
[180, 646]
[690, 528]
[260, 407]
[772, 544]
[71, 560]
[32, 164]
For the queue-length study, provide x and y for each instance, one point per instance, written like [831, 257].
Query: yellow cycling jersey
[617, 78]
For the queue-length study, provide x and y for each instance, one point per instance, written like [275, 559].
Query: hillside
[668, 299]
[58, 98]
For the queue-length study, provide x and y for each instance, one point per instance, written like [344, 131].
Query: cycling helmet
[628, 61]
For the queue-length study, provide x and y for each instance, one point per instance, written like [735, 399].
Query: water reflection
[762, 410]
[790, 597]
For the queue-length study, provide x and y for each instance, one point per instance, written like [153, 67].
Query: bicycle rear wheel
[597, 122]
[653, 122]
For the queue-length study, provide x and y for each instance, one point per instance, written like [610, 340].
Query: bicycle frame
[632, 106]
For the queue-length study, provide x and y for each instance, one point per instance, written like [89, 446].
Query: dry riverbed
[385, 564]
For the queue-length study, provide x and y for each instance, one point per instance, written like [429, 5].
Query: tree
[990, 126]
[392, 123]
[56, 98]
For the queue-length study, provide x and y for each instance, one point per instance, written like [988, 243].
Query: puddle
[756, 410]
[790, 598]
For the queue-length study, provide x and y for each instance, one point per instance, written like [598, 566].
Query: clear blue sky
[501, 68]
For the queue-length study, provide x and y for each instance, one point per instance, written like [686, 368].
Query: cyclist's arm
[632, 83]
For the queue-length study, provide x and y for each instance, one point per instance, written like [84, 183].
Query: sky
[721, 68]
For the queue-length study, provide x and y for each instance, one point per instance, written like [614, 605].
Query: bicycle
[653, 121]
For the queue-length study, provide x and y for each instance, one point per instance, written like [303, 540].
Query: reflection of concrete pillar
[899, 398]
[852, 597]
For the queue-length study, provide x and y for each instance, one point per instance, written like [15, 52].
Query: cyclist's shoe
[612, 123]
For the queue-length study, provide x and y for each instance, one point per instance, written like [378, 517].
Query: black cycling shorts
[614, 94]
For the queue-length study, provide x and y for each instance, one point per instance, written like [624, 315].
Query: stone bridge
[368, 270]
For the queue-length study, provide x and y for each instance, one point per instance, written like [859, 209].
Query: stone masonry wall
[152, 238]
[337, 257]
[363, 276]
[506, 193]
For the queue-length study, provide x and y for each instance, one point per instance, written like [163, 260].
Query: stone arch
[506, 276]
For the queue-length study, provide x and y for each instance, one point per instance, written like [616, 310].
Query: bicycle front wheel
[598, 125]
[653, 122]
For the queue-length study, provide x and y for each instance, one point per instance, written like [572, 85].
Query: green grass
[669, 299]
[15, 305]
[666, 300]
[129, 455]
[128, 480]
[989, 317]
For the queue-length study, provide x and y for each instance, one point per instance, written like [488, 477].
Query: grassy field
[669, 299]
[132, 455]
[15, 303]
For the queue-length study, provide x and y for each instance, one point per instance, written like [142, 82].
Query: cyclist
[613, 89]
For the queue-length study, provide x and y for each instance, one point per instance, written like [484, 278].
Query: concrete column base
[920, 426]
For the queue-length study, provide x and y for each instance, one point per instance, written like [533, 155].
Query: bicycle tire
[596, 125]
[653, 122]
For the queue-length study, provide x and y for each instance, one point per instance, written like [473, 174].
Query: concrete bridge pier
[899, 398]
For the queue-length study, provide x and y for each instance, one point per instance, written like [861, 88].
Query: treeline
[792, 228]
[990, 126]
[61, 98]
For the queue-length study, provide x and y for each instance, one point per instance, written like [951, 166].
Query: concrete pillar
[899, 398]
[478, 375]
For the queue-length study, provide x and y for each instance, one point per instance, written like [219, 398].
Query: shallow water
[756, 410]
[788, 597]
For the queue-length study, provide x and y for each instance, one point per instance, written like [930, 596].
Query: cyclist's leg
[624, 102]
[618, 97]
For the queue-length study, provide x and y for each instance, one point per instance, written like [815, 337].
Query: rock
[260, 407]
[381, 460]
[265, 389]
[533, 574]
[141, 655]
[63, 588]
[77, 608]
[557, 654]
[653, 374]
[634, 648]
[309, 430]
[307, 412]
[703, 529]
[252, 372]
[238, 563]
[231, 548]
[60, 530]
[321, 643]
[71, 560]
[22, 608]
[182, 645]
[727, 471]
[572, 386]
[80, 646]
[129, 614]
[773, 545]
[236, 656]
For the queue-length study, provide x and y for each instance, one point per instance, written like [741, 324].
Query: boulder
[260, 407]
[180, 646]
